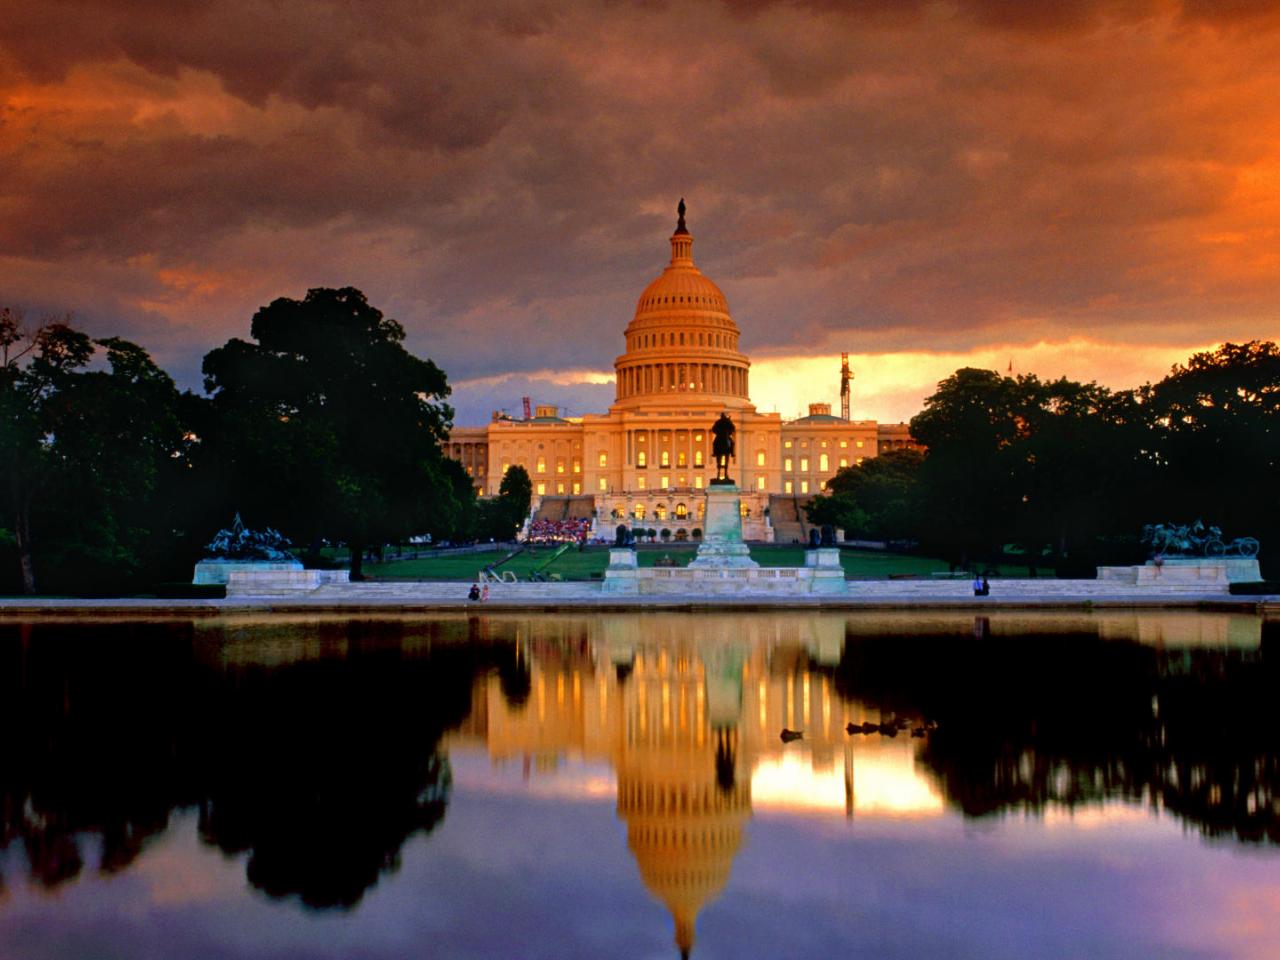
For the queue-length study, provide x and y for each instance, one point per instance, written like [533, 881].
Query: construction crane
[528, 412]
[845, 376]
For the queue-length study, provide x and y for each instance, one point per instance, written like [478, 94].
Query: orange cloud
[927, 182]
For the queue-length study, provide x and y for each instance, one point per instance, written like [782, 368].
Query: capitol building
[649, 457]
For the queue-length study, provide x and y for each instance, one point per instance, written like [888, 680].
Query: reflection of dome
[684, 837]
[682, 340]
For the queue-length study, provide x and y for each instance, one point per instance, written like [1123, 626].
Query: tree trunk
[22, 532]
[357, 560]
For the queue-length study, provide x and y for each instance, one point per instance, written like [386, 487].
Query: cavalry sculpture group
[1194, 540]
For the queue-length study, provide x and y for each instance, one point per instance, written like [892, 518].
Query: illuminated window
[844, 462]
[759, 458]
[824, 463]
[804, 444]
[542, 489]
[787, 444]
[666, 458]
[640, 482]
[681, 511]
[641, 461]
[560, 487]
[804, 464]
[843, 444]
[697, 482]
[787, 464]
[744, 510]
[824, 444]
[804, 486]
[664, 481]
[859, 444]
[577, 487]
[858, 461]
[697, 458]
[786, 486]
[660, 512]
[542, 464]
[559, 466]
[760, 482]
[577, 465]
[604, 459]
[681, 459]
[697, 437]
[505, 466]
[603, 483]
[638, 512]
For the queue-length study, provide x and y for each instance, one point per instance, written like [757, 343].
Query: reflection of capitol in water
[691, 727]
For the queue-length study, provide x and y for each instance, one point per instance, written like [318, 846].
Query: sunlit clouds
[1087, 189]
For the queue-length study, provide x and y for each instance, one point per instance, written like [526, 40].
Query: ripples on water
[616, 785]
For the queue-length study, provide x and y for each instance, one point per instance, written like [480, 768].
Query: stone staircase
[789, 525]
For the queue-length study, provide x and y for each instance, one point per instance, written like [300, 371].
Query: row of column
[696, 377]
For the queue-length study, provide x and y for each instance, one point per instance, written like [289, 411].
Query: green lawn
[575, 565]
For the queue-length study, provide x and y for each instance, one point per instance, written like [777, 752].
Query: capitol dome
[682, 339]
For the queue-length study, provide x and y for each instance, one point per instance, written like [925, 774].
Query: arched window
[660, 512]
[824, 463]
[638, 512]
[681, 511]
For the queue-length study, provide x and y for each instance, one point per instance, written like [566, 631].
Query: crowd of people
[575, 530]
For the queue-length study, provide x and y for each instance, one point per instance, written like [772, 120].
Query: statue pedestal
[722, 544]
[1211, 573]
[219, 571]
[623, 573]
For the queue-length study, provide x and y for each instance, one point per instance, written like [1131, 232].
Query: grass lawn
[575, 565]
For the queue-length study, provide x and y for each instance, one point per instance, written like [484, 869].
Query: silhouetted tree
[1216, 437]
[874, 499]
[328, 428]
[87, 456]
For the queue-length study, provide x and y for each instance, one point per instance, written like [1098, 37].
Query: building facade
[648, 459]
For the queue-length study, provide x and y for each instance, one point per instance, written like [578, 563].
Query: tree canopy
[329, 428]
[89, 456]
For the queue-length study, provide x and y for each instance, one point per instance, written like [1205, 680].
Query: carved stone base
[219, 571]
[722, 546]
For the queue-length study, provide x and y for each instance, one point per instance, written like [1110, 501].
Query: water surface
[1093, 785]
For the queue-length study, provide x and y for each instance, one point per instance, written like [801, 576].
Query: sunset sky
[1089, 189]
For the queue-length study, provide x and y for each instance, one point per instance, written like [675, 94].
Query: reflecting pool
[618, 785]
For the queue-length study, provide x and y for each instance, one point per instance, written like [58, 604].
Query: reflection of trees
[1073, 719]
[319, 768]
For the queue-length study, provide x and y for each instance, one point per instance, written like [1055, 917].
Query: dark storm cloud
[500, 176]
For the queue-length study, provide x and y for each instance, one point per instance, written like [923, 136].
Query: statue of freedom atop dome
[722, 447]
